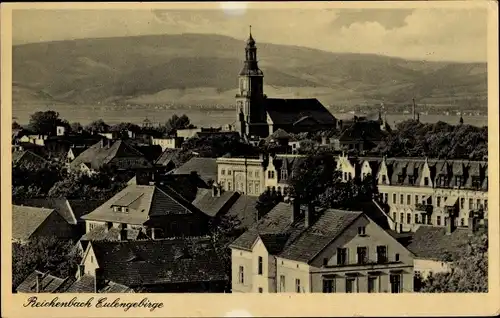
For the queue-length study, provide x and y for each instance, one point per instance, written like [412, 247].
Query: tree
[214, 146]
[176, 122]
[30, 180]
[76, 127]
[98, 126]
[267, 201]
[347, 194]
[468, 270]
[46, 254]
[45, 122]
[15, 125]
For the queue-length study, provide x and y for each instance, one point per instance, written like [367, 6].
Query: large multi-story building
[301, 249]
[424, 191]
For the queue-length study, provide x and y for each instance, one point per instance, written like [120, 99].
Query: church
[259, 116]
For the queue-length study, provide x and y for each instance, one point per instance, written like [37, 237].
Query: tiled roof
[169, 156]
[86, 284]
[142, 201]
[431, 242]
[244, 210]
[294, 111]
[26, 157]
[120, 153]
[292, 240]
[212, 205]
[168, 261]
[26, 220]
[99, 233]
[315, 238]
[206, 168]
[278, 134]
[48, 283]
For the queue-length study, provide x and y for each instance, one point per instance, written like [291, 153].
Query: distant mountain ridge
[194, 68]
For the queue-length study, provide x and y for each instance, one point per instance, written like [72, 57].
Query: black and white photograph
[246, 149]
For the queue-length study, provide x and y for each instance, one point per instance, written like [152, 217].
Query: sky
[423, 34]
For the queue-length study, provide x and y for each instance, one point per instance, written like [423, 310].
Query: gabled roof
[120, 153]
[26, 220]
[167, 261]
[169, 156]
[99, 233]
[206, 168]
[278, 134]
[293, 111]
[315, 238]
[212, 205]
[432, 242]
[287, 163]
[86, 284]
[143, 202]
[26, 157]
[244, 210]
[48, 283]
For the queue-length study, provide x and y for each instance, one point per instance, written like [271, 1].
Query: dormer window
[122, 209]
[284, 174]
[270, 174]
[384, 179]
[401, 178]
[411, 179]
[459, 181]
[476, 182]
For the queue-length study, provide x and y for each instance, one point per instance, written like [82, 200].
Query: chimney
[38, 281]
[309, 214]
[450, 224]
[472, 223]
[295, 209]
[98, 281]
[123, 233]
[215, 191]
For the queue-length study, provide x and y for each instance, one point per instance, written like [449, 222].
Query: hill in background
[202, 70]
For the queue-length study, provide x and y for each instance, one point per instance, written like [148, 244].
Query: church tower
[250, 109]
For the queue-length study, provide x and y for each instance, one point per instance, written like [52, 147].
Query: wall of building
[266, 280]
[245, 259]
[291, 271]
[237, 174]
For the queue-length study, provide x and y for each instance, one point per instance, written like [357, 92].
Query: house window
[416, 218]
[260, 265]
[396, 257]
[270, 174]
[341, 256]
[476, 182]
[92, 259]
[241, 275]
[257, 188]
[408, 199]
[411, 179]
[229, 172]
[250, 187]
[381, 254]
[478, 203]
[438, 201]
[394, 216]
[345, 176]
[462, 203]
[471, 204]
[401, 199]
[297, 285]
[350, 285]
[223, 172]
[284, 174]
[229, 188]
[384, 179]
[372, 284]
[458, 181]
[362, 255]
[395, 280]
[416, 199]
[260, 290]
[486, 205]
[250, 173]
[282, 283]
[438, 220]
[394, 198]
[462, 222]
[325, 261]
[256, 173]
[361, 230]
[408, 218]
[328, 285]
[401, 217]
[124, 209]
[426, 181]
[401, 178]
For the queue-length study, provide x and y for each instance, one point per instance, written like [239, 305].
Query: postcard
[246, 159]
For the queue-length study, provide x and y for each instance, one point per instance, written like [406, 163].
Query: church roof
[296, 111]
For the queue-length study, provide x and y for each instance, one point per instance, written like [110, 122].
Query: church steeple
[251, 67]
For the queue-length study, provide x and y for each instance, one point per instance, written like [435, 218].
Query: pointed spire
[250, 41]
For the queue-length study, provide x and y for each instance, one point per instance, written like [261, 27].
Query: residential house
[242, 174]
[187, 132]
[90, 285]
[70, 210]
[167, 142]
[39, 282]
[307, 250]
[180, 265]
[119, 154]
[420, 190]
[158, 211]
[215, 201]
[361, 136]
[168, 160]
[74, 152]
[31, 222]
[205, 168]
[279, 171]
[36, 139]
[282, 142]
[26, 158]
[435, 246]
[58, 146]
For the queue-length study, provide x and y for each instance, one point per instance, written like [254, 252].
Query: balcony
[424, 208]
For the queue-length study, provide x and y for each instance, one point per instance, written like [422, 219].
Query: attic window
[411, 179]
[459, 181]
[122, 209]
[284, 174]
[384, 179]
[401, 178]
[476, 182]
